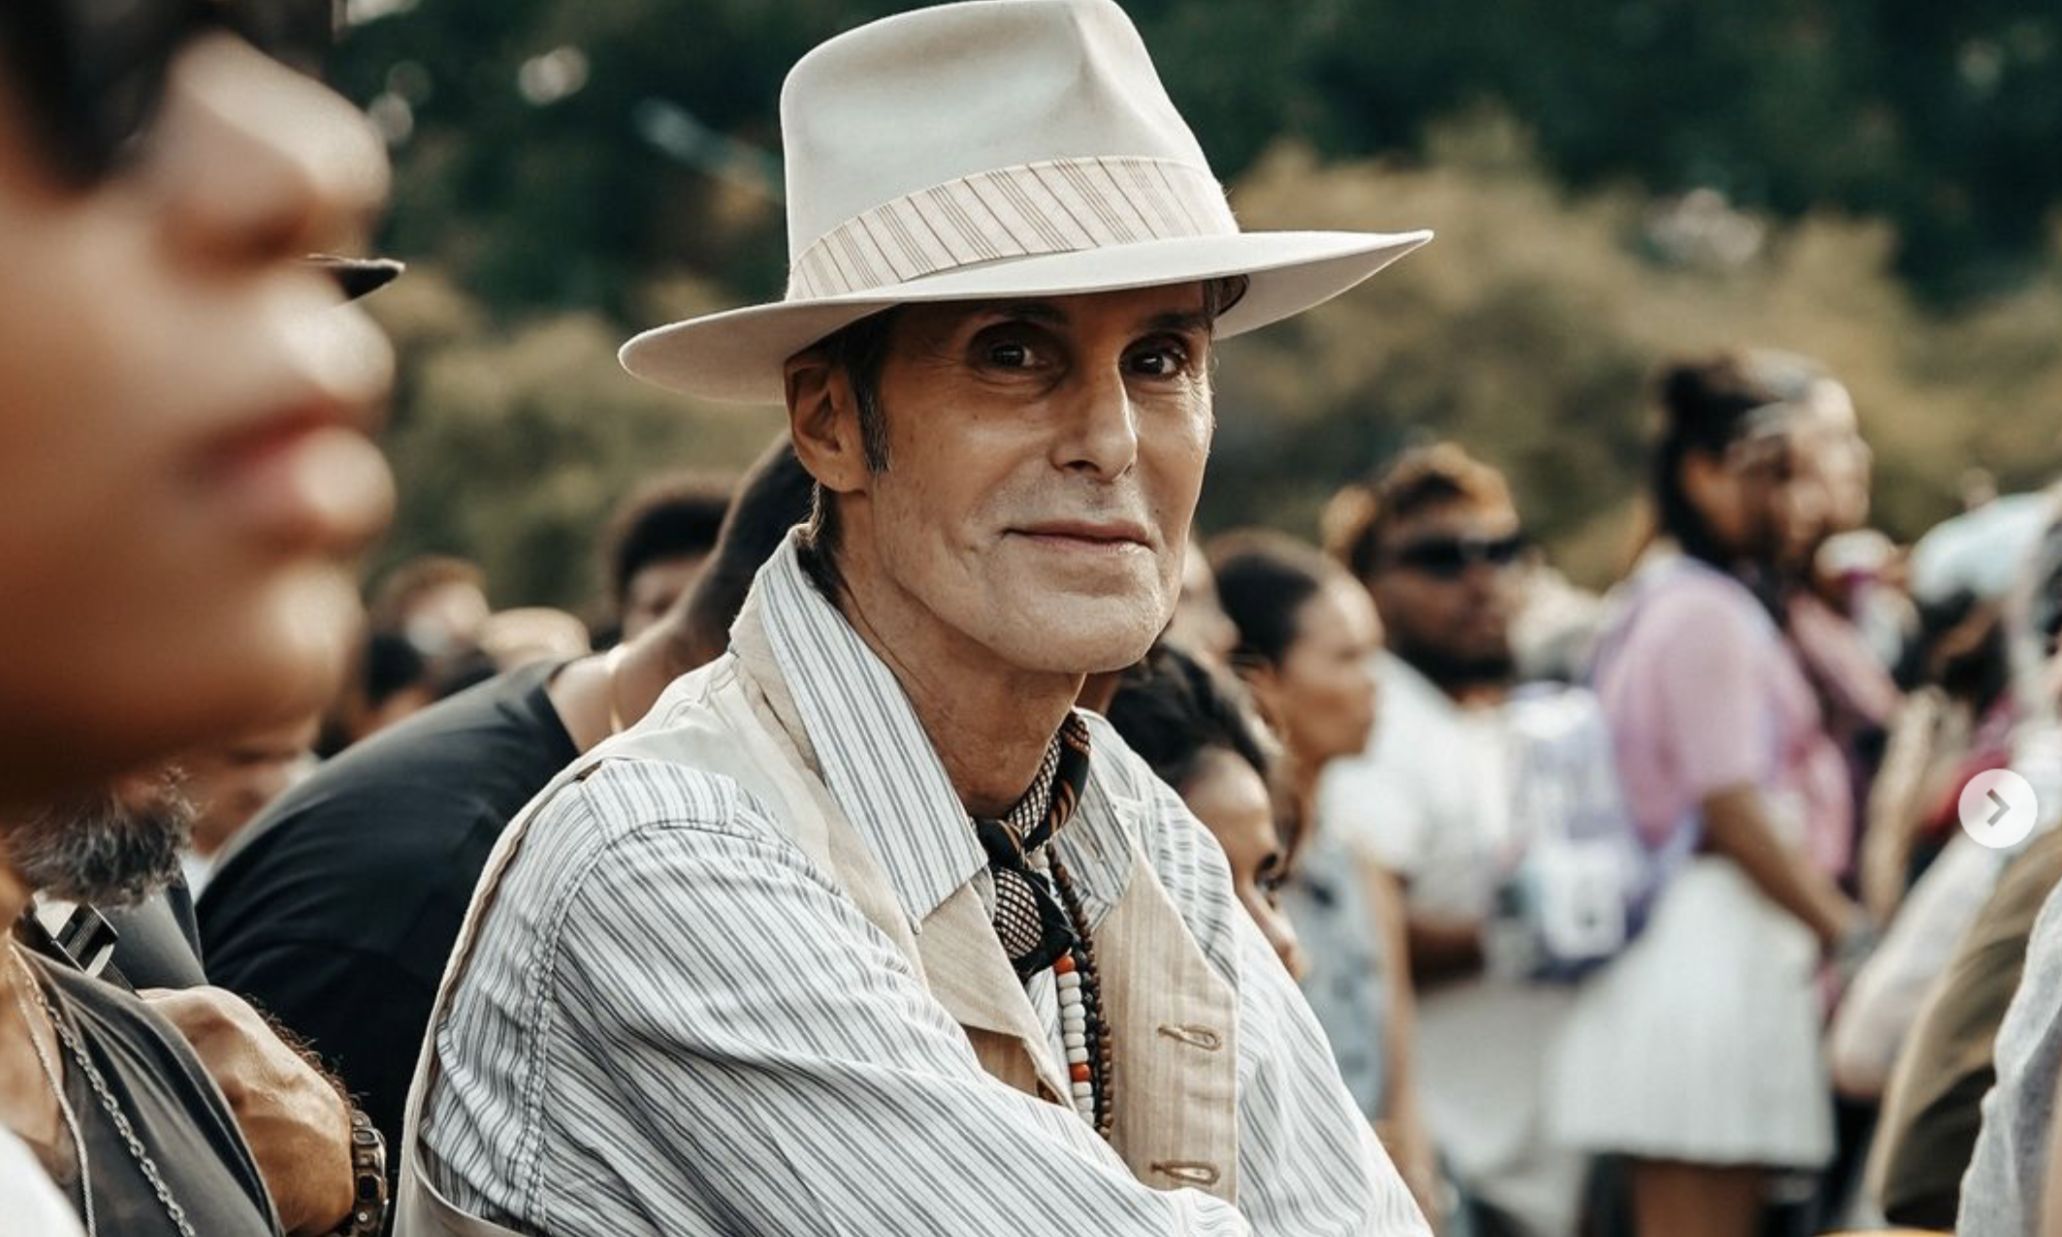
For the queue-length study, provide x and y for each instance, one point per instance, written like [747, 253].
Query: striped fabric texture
[675, 1021]
[1056, 206]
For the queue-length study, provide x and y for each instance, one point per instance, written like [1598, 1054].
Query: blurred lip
[1094, 534]
[306, 474]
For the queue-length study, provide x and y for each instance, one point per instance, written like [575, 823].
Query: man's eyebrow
[1180, 321]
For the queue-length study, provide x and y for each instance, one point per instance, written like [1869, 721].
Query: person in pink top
[1695, 1054]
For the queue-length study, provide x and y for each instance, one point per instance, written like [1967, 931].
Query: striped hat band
[1053, 206]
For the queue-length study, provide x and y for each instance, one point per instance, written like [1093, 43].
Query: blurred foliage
[650, 142]
[570, 170]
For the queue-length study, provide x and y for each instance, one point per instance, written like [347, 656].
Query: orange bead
[1065, 966]
[1080, 1073]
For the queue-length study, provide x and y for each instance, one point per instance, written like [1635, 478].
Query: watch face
[369, 1166]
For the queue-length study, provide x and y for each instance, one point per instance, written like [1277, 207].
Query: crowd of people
[931, 830]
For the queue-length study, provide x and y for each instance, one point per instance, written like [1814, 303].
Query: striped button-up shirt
[675, 1019]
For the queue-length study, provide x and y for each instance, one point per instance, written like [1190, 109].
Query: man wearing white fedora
[864, 929]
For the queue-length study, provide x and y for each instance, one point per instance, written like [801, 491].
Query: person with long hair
[1696, 1053]
[1307, 635]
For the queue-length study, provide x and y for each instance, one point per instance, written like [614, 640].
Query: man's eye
[1160, 361]
[1011, 354]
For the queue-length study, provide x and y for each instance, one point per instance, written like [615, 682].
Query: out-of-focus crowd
[1723, 901]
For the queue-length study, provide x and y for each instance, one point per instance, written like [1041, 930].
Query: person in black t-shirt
[338, 910]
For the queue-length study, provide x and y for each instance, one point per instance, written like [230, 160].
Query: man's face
[229, 784]
[185, 472]
[654, 589]
[1043, 462]
[111, 846]
[1441, 593]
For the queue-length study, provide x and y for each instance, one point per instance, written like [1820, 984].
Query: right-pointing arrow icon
[2001, 811]
[1999, 808]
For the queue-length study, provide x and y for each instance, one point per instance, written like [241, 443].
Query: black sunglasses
[91, 73]
[1448, 558]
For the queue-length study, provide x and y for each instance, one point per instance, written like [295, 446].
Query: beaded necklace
[1041, 925]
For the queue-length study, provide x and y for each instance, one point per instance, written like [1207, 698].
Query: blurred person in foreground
[1696, 1053]
[890, 935]
[1307, 637]
[658, 545]
[161, 340]
[338, 911]
[1436, 799]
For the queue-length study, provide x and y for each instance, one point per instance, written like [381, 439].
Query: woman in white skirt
[1696, 1053]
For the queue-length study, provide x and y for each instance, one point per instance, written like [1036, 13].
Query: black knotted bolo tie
[1033, 926]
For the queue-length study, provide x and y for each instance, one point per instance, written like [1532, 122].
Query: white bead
[1084, 1091]
[1070, 981]
[1073, 1024]
[1077, 1056]
[1074, 1040]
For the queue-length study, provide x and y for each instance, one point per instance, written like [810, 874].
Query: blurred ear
[823, 421]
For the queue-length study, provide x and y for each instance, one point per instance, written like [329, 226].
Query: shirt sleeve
[737, 1043]
[1712, 707]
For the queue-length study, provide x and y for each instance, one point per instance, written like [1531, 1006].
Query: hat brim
[736, 356]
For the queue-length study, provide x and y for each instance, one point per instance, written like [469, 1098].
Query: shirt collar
[879, 765]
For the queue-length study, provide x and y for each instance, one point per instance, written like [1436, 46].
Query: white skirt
[1701, 1043]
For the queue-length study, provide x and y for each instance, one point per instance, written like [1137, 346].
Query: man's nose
[1100, 434]
[260, 164]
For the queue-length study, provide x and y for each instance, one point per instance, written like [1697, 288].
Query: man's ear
[823, 421]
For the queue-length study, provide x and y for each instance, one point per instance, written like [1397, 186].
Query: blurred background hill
[1874, 184]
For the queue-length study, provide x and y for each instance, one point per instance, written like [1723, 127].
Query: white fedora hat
[1002, 148]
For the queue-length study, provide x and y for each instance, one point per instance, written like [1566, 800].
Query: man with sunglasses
[186, 475]
[1436, 541]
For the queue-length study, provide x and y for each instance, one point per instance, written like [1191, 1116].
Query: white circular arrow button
[1999, 808]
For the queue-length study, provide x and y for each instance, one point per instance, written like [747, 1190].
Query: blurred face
[1231, 800]
[1740, 495]
[1321, 698]
[1043, 461]
[446, 621]
[1800, 499]
[232, 783]
[655, 588]
[1446, 585]
[1821, 485]
[185, 471]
